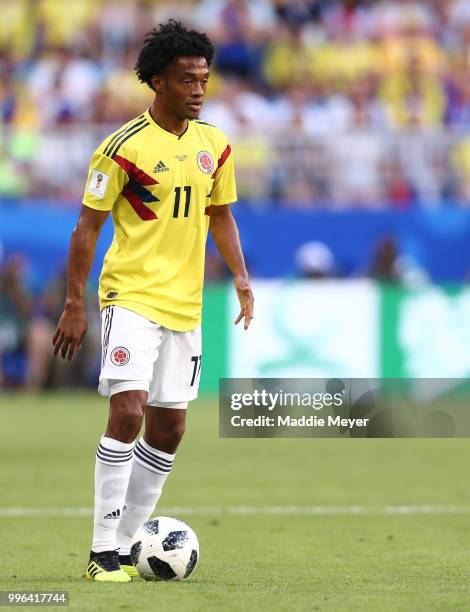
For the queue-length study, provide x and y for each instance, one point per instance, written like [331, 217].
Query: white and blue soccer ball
[165, 548]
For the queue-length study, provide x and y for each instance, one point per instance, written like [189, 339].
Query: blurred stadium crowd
[329, 104]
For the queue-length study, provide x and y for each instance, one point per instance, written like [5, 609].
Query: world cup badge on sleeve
[98, 183]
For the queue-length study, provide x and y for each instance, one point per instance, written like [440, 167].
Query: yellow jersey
[159, 187]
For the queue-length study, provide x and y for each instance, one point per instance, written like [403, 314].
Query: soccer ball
[165, 548]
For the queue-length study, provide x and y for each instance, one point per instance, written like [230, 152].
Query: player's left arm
[225, 232]
[226, 237]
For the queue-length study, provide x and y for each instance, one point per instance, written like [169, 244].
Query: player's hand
[245, 297]
[70, 332]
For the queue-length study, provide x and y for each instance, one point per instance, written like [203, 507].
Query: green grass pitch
[264, 559]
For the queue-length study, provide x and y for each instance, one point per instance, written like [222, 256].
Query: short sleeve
[224, 190]
[106, 180]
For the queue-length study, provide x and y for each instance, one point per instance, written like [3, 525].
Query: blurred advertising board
[329, 328]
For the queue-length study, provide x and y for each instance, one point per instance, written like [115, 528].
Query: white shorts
[140, 355]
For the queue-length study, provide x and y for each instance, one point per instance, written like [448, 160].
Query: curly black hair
[161, 47]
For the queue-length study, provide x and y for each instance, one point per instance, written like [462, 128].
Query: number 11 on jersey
[187, 191]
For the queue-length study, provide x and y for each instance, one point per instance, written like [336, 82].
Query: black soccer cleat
[105, 567]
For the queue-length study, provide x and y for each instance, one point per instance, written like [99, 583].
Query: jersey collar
[163, 132]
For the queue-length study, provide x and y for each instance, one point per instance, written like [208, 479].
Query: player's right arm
[106, 180]
[72, 325]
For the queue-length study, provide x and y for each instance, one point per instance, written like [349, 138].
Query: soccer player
[167, 178]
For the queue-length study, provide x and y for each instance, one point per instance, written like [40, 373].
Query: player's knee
[176, 431]
[126, 426]
[127, 414]
[169, 436]
[132, 421]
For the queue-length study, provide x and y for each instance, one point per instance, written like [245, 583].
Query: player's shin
[112, 469]
[150, 469]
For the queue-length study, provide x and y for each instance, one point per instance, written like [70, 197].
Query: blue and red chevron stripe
[135, 192]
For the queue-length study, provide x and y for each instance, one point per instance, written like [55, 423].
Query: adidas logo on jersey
[160, 167]
[115, 514]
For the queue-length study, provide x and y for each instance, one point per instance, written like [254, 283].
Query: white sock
[150, 469]
[112, 470]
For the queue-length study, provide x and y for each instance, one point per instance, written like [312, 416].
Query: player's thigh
[177, 369]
